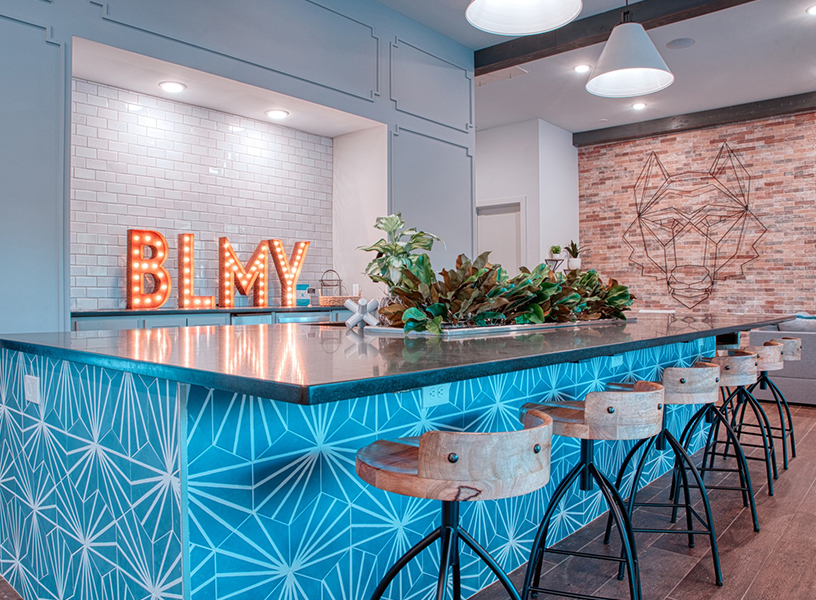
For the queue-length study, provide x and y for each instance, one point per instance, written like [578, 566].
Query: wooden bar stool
[738, 370]
[791, 350]
[732, 365]
[682, 386]
[459, 467]
[634, 413]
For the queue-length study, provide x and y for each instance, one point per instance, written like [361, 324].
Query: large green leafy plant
[477, 293]
[397, 251]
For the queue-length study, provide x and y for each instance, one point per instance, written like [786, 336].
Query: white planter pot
[558, 256]
[573, 263]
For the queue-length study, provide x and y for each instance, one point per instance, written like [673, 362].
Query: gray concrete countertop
[315, 364]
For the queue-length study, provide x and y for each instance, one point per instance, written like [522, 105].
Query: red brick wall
[780, 156]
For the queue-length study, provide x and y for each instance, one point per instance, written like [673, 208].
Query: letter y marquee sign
[149, 284]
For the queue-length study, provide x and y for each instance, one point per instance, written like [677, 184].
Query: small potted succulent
[574, 261]
[556, 252]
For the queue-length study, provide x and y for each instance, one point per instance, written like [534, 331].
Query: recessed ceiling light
[172, 87]
[581, 68]
[680, 43]
[639, 105]
[812, 10]
[277, 114]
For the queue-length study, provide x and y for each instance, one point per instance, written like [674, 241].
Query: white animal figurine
[363, 313]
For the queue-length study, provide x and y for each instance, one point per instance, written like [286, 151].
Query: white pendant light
[521, 17]
[629, 65]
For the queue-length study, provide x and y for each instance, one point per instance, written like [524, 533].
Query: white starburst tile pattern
[92, 483]
[89, 480]
[291, 520]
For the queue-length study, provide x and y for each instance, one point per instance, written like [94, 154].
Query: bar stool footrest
[585, 555]
[564, 594]
[725, 455]
[755, 425]
[693, 512]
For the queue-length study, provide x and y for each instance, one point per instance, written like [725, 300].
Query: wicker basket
[336, 300]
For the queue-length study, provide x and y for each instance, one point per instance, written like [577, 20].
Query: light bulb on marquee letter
[232, 275]
[141, 267]
[186, 271]
[288, 269]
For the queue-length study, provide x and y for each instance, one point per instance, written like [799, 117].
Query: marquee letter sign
[186, 269]
[232, 274]
[141, 268]
[148, 284]
[288, 269]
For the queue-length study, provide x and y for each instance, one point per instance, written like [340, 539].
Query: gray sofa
[797, 381]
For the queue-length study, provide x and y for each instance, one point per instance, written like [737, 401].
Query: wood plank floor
[7, 592]
[775, 564]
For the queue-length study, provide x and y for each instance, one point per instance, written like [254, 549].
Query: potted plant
[395, 253]
[574, 261]
[476, 293]
[556, 252]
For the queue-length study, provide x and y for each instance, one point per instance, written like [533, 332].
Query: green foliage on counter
[477, 293]
[395, 254]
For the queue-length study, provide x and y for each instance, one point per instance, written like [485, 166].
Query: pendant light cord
[626, 17]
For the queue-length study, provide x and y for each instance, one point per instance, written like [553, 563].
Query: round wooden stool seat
[737, 367]
[457, 466]
[791, 348]
[769, 356]
[628, 412]
[699, 384]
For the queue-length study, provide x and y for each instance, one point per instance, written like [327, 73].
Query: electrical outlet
[32, 389]
[435, 395]
[615, 360]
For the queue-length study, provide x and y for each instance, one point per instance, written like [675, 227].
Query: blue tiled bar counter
[218, 462]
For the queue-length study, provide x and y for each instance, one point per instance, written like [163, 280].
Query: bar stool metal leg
[406, 558]
[785, 428]
[588, 476]
[450, 533]
[619, 480]
[684, 461]
[777, 393]
[744, 400]
[539, 544]
[683, 464]
[746, 488]
[736, 404]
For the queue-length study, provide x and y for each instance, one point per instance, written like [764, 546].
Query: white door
[498, 229]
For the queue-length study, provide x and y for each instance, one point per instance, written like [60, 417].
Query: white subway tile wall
[141, 162]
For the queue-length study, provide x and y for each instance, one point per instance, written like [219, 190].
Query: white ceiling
[757, 51]
[138, 73]
[448, 18]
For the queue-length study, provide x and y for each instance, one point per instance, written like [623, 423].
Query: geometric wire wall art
[694, 229]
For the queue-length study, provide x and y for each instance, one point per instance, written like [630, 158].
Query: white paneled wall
[144, 162]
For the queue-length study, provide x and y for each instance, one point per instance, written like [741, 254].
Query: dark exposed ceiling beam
[708, 118]
[592, 30]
